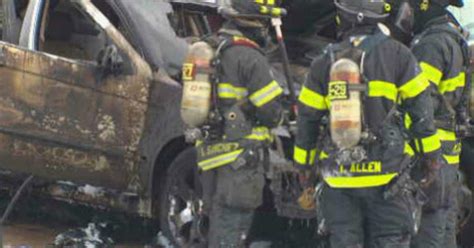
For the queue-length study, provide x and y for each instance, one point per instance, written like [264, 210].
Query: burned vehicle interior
[71, 34]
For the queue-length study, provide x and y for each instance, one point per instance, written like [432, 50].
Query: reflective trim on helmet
[414, 87]
[452, 159]
[272, 11]
[228, 91]
[428, 144]
[432, 73]
[424, 5]
[265, 2]
[220, 160]
[260, 134]
[445, 135]
[383, 89]
[266, 94]
[312, 99]
[452, 84]
[359, 181]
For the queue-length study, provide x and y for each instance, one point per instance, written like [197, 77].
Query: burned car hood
[150, 32]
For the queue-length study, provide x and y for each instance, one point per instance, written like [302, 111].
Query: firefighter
[441, 50]
[246, 103]
[350, 126]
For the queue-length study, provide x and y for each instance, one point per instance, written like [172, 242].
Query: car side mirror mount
[110, 61]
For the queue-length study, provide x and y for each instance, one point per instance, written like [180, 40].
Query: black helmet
[424, 5]
[363, 11]
[262, 9]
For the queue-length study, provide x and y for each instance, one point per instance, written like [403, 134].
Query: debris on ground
[161, 241]
[90, 237]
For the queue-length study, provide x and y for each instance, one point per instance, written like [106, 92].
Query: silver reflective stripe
[266, 94]
[226, 90]
[220, 160]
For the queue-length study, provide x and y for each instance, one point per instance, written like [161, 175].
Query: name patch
[370, 167]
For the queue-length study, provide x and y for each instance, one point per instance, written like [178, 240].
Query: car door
[65, 116]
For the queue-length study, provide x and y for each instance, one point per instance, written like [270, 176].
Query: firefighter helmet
[261, 9]
[363, 11]
[424, 5]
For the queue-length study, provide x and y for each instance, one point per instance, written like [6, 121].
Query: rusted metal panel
[62, 103]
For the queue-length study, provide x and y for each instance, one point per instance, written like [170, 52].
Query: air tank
[197, 88]
[345, 104]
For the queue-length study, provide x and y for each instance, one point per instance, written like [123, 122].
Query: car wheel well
[167, 155]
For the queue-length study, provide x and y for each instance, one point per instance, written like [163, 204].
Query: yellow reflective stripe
[414, 87]
[226, 90]
[220, 160]
[359, 181]
[260, 134]
[312, 99]
[300, 155]
[429, 144]
[264, 10]
[431, 73]
[383, 89]
[445, 135]
[452, 84]
[260, 1]
[452, 159]
[407, 121]
[270, 2]
[266, 94]
[312, 156]
[323, 155]
[408, 150]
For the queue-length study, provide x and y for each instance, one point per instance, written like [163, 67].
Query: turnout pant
[231, 196]
[439, 216]
[357, 218]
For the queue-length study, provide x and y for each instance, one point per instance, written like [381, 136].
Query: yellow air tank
[345, 106]
[197, 88]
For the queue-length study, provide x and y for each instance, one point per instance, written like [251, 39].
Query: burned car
[90, 98]
[87, 99]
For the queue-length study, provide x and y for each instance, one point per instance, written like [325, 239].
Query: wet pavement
[18, 235]
[29, 235]
[36, 222]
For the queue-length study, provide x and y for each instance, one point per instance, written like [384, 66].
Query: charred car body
[89, 99]
[80, 104]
